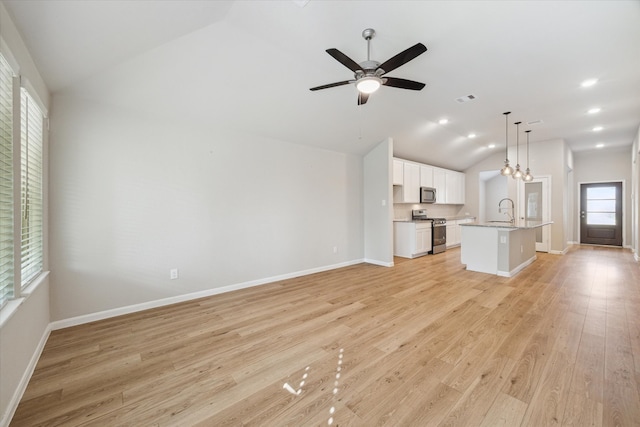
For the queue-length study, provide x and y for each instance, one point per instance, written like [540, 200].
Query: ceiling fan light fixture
[369, 84]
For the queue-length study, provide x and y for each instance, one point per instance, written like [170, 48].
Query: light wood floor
[423, 343]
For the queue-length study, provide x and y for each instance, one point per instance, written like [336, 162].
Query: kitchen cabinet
[410, 190]
[411, 239]
[453, 236]
[426, 176]
[409, 176]
[454, 231]
[398, 172]
[454, 187]
[439, 183]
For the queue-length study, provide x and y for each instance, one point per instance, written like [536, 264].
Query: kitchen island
[501, 248]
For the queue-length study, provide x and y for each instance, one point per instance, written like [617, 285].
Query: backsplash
[403, 210]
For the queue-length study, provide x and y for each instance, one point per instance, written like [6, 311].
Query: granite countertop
[508, 225]
[448, 218]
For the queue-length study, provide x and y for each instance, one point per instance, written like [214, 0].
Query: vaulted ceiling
[250, 64]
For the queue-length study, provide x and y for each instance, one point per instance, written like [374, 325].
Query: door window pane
[601, 205]
[601, 193]
[601, 218]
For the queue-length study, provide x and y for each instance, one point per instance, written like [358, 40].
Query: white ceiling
[250, 64]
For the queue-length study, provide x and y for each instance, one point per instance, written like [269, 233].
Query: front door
[601, 213]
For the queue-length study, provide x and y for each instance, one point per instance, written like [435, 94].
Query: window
[31, 188]
[21, 185]
[6, 181]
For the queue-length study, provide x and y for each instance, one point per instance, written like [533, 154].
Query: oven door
[439, 235]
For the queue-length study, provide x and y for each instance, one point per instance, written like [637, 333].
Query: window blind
[31, 186]
[6, 181]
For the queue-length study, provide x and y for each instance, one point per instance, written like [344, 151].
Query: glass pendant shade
[517, 173]
[506, 170]
[527, 176]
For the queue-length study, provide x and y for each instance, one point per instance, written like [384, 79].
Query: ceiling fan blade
[346, 82]
[362, 98]
[344, 60]
[403, 83]
[403, 57]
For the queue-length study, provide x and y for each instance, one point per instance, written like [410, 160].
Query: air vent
[534, 122]
[465, 98]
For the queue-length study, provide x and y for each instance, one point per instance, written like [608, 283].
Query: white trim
[517, 269]
[26, 84]
[380, 263]
[562, 252]
[26, 376]
[8, 55]
[11, 307]
[106, 314]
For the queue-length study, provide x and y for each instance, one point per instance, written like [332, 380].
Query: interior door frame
[545, 180]
[577, 205]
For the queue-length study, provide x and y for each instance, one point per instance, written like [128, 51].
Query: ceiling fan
[368, 75]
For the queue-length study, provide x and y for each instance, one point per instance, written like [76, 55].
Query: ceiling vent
[534, 122]
[465, 98]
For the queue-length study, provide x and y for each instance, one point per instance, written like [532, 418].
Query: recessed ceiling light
[492, 145]
[589, 82]
[471, 135]
[599, 145]
[594, 110]
[443, 121]
[597, 128]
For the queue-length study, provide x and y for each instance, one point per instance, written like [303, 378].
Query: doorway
[601, 213]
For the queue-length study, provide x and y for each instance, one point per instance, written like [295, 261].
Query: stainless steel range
[438, 230]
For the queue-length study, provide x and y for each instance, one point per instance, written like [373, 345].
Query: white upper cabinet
[398, 172]
[409, 176]
[439, 183]
[426, 176]
[454, 183]
[411, 188]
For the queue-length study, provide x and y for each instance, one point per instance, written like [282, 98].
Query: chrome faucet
[505, 211]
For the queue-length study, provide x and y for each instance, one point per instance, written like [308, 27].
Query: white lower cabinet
[454, 231]
[411, 239]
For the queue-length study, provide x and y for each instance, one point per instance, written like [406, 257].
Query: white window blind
[31, 185]
[6, 181]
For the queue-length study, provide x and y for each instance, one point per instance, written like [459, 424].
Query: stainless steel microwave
[427, 195]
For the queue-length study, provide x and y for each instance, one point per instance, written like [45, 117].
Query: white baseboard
[106, 314]
[376, 262]
[24, 381]
[517, 269]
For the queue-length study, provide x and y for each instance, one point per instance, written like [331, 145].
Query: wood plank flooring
[423, 343]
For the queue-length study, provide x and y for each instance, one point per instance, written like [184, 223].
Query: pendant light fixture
[506, 170]
[517, 173]
[527, 176]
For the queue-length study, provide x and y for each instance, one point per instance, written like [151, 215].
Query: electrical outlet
[173, 273]
[335, 249]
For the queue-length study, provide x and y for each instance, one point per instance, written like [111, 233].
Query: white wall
[605, 166]
[134, 196]
[495, 189]
[378, 204]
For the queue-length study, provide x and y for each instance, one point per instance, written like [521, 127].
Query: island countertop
[517, 225]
